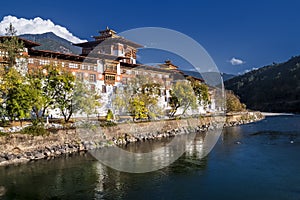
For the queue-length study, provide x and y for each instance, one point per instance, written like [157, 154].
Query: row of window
[63, 64]
[3, 53]
[109, 77]
[104, 89]
[91, 77]
[153, 75]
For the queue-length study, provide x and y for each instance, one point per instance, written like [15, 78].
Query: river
[254, 161]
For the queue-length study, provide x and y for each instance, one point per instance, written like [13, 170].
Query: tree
[38, 98]
[84, 100]
[182, 95]
[14, 48]
[52, 86]
[17, 95]
[64, 90]
[14, 86]
[138, 108]
[110, 115]
[233, 103]
[201, 91]
[141, 97]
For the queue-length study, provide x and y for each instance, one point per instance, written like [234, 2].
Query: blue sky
[256, 32]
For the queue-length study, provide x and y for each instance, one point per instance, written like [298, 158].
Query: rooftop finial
[107, 28]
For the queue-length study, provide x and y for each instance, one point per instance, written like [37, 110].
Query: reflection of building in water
[2, 190]
[100, 168]
[195, 148]
[107, 178]
[107, 64]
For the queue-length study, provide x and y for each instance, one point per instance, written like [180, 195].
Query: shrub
[110, 115]
[35, 130]
[3, 134]
[108, 124]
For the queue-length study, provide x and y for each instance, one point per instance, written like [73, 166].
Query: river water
[254, 161]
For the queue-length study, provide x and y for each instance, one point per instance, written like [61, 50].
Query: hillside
[52, 42]
[208, 74]
[273, 88]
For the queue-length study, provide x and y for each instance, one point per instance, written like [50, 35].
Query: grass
[108, 124]
[3, 134]
[35, 130]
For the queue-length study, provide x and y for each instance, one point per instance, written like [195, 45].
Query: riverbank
[267, 114]
[18, 148]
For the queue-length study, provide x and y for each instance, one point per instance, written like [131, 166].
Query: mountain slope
[50, 41]
[273, 88]
[207, 74]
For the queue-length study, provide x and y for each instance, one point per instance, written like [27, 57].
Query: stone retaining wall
[18, 148]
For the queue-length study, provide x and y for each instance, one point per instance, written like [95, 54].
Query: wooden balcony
[111, 69]
[109, 79]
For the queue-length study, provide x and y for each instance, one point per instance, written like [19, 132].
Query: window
[110, 68]
[115, 89]
[124, 81]
[164, 92]
[30, 60]
[93, 68]
[79, 76]
[44, 62]
[3, 53]
[103, 89]
[92, 77]
[73, 65]
[93, 88]
[110, 77]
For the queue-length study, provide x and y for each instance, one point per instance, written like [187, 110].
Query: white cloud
[249, 70]
[37, 26]
[236, 61]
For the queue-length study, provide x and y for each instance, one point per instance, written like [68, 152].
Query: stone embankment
[19, 148]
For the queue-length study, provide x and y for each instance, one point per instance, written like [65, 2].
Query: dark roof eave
[27, 43]
[118, 39]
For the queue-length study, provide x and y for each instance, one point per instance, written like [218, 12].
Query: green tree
[138, 108]
[84, 100]
[17, 95]
[64, 90]
[182, 95]
[141, 97]
[201, 91]
[233, 103]
[110, 115]
[38, 98]
[14, 48]
[14, 86]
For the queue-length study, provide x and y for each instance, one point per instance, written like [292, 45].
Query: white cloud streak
[249, 70]
[37, 26]
[236, 61]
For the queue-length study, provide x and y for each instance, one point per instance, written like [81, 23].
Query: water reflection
[157, 154]
[2, 191]
[234, 171]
